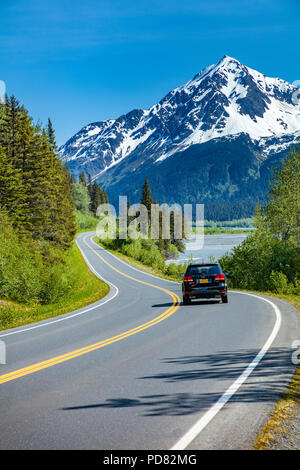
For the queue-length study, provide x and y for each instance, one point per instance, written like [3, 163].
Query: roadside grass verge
[278, 425]
[138, 264]
[87, 288]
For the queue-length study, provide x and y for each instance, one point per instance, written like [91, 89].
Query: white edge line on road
[74, 314]
[195, 430]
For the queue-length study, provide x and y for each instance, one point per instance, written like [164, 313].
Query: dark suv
[204, 281]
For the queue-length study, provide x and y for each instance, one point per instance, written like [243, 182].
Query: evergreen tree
[82, 178]
[146, 196]
[12, 195]
[47, 205]
[72, 179]
[51, 136]
[97, 197]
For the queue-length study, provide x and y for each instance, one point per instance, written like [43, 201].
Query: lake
[214, 245]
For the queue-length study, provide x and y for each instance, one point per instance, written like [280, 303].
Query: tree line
[34, 184]
[37, 211]
[87, 194]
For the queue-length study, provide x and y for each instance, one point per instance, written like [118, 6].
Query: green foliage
[244, 222]
[251, 264]
[31, 272]
[83, 288]
[12, 194]
[282, 214]
[146, 199]
[279, 283]
[176, 269]
[35, 185]
[21, 266]
[145, 251]
[150, 252]
[98, 196]
[38, 265]
[81, 198]
[85, 221]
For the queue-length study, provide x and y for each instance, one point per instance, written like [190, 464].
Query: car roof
[204, 264]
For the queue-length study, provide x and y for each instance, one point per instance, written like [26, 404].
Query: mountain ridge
[223, 100]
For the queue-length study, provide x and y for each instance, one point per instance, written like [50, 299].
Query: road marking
[196, 429]
[133, 267]
[79, 352]
[69, 316]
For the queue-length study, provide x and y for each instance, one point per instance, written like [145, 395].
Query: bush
[32, 273]
[262, 262]
[175, 270]
[279, 283]
[85, 221]
[21, 266]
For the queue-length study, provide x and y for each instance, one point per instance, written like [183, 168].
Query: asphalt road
[138, 370]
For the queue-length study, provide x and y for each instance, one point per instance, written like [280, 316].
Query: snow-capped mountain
[225, 100]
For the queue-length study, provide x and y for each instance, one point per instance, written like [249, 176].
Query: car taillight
[188, 279]
[220, 277]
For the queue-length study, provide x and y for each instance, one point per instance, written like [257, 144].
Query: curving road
[137, 370]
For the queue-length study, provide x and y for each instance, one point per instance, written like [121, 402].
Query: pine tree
[82, 178]
[146, 196]
[47, 205]
[97, 197]
[51, 136]
[12, 194]
[72, 179]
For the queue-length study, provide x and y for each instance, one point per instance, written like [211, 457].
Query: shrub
[279, 283]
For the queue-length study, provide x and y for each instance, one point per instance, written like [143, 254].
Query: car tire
[225, 299]
[186, 300]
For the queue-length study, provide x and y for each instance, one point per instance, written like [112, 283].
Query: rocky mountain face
[209, 141]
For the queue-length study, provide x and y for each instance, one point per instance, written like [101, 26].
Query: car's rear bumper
[205, 293]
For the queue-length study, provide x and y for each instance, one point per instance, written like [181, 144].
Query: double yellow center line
[101, 344]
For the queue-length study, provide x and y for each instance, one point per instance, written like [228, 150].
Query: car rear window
[204, 269]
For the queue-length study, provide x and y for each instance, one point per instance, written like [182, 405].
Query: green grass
[87, 289]
[293, 299]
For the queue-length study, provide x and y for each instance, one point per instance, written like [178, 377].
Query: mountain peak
[225, 99]
[225, 64]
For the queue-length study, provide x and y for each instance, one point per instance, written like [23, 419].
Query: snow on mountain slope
[224, 99]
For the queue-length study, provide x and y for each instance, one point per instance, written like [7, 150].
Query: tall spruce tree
[12, 195]
[51, 136]
[146, 196]
[82, 178]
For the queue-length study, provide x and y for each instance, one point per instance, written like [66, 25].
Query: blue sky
[84, 61]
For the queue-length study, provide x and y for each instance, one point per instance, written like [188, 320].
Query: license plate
[202, 281]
